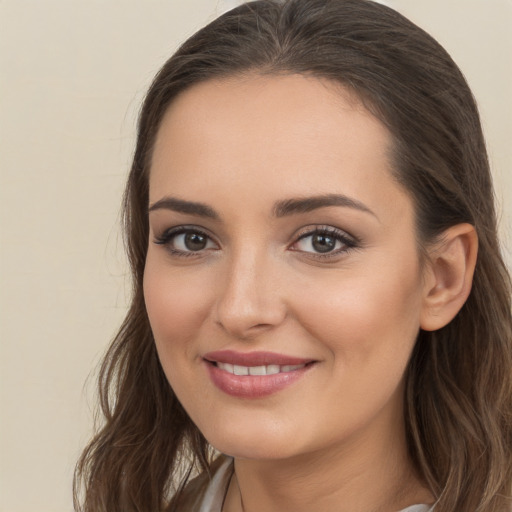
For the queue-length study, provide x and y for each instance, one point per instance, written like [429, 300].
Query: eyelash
[167, 237]
[348, 242]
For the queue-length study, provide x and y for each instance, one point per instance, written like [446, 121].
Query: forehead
[268, 106]
[275, 135]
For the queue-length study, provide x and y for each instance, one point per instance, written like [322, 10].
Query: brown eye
[323, 243]
[195, 241]
[190, 241]
[183, 241]
[320, 243]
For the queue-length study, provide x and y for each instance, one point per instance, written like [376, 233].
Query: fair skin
[238, 261]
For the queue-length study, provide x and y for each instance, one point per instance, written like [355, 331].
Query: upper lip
[253, 358]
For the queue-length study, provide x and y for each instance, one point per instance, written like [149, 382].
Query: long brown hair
[458, 398]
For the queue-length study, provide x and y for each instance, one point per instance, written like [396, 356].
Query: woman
[318, 287]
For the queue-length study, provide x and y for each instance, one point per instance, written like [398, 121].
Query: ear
[448, 276]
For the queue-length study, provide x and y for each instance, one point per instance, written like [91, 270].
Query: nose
[250, 299]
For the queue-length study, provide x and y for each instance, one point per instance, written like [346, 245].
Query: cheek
[359, 315]
[177, 301]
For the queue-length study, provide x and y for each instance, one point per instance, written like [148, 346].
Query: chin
[255, 443]
[261, 450]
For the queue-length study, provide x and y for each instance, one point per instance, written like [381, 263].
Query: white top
[216, 490]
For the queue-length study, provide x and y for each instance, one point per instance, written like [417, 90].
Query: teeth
[226, 367]
[257, 370]
[290, 367]
[270, 369]
[240, 370]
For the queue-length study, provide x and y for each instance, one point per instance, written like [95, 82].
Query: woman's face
[282, 279]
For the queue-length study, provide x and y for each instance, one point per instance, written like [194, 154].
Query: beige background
[72, 75]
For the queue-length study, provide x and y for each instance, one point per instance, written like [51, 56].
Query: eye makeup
[324, 241]
[319, 241]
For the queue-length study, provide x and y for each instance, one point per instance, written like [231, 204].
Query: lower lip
[253, 386]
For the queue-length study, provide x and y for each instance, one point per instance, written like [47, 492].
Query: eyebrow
[308, 204]
[181, 206]
[282, 208]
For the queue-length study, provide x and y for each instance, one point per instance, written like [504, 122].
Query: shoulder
[205, 492]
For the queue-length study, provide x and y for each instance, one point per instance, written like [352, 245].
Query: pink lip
[253, 386]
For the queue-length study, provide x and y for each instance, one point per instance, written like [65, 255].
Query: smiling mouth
[254, 374]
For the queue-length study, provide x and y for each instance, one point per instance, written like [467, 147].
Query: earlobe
[449, 276]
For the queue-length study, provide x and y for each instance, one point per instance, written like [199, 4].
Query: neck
[368, 473]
